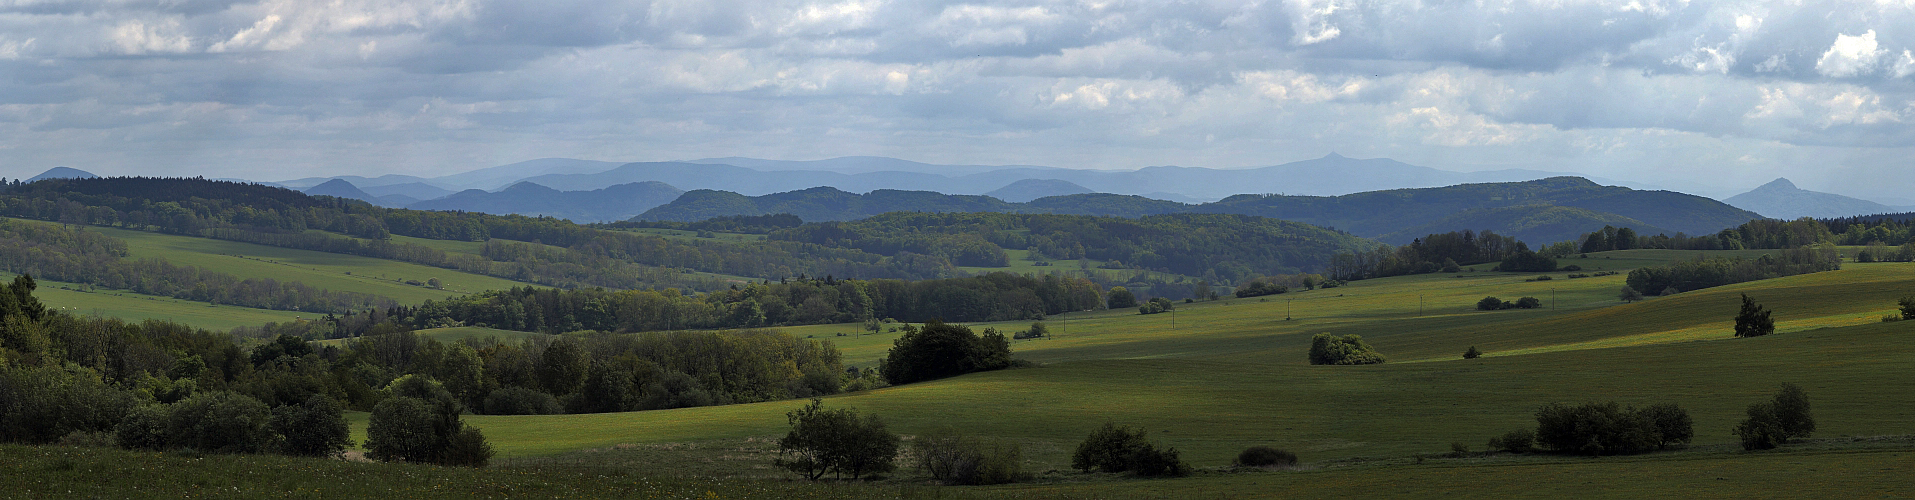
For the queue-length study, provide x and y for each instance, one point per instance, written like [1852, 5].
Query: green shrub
[419, 422]
[940, 350]
[1528, 303]
[1472, 353]
[1516, 441]
[1329, 349]
[1673, 425]
[1118, 449]
[1595, 429]
[144, 428]
[1265, 456]
[954, 458]
[40, 405]
[1774, 422]
[314, 428]
[1762, 430]
[1908, 307]
[219, 422]
[1489, 304]
[836, 442]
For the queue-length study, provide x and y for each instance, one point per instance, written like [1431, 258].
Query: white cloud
[142, 37]
[1311, 22]
[1906, 65]
[1850, 56]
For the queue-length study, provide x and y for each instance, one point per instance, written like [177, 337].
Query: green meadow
[86, 300]
[1233, 374]
[331, 271]
[1219, 376]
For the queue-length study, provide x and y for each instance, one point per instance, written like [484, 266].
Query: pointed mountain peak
[1334, 156]
[1779, 184]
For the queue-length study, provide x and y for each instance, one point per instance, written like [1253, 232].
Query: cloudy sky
[1707, 97]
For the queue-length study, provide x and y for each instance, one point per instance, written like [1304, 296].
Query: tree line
[990, 297]
[1217, 247]
[1708, 272]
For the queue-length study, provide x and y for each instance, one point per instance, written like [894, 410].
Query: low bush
[1118, 449]
[1472, 353]
[1329, 349]
[1610, 429]
[1265, 456]
[955, 458]
[1516, 441]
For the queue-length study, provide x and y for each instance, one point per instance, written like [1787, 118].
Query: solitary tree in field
[1629, 294]
[1754, 320]
[1908, 307]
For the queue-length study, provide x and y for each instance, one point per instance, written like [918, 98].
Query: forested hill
[1214, 246]
[555, 252]
[1380, 213]
[1540, 211]
[1538, 223]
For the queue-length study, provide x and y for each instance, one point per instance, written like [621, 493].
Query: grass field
[331, 271]
[1233, 373]
[87, 300]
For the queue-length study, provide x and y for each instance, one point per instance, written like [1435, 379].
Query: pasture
[1233, 374]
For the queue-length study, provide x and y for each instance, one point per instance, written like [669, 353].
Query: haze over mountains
[1782, 200]
[599, 191]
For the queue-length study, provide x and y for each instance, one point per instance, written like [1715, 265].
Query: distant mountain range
[1327, 176]
[1782, 200]
[615, 203]
[1539, 211]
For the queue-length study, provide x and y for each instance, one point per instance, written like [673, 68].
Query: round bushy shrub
[220, 422]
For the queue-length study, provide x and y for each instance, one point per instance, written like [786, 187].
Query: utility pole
[1419, 305]
[1286, 308]
[1552, 299]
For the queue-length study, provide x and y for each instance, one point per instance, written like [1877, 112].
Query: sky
[1712, 98]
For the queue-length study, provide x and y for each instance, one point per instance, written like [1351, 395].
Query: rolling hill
[612, 203]
[1394, 216]
[1380, 213]
[1031, 189]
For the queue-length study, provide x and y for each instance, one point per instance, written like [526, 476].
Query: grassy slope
[1234, 374]
[330, 271]
[86, 300]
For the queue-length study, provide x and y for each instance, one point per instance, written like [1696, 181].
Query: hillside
[612, 203]
[62, 173]
[1780, 199]
[1395, 216]
[1537, 225]
[1380, 213]
[1030, 189]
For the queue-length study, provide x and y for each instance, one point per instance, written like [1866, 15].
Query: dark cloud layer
[1684, 94]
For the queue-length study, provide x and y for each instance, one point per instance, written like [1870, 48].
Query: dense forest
[1717, 271]
[1214, 246]
[803, 301]
[555, 252]
[1887, 237]
[62, 374]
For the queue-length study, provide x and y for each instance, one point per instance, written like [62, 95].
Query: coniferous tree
[1754, 320]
